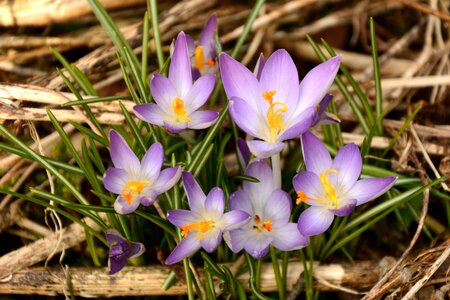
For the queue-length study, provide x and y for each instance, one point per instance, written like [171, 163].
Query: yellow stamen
[199, 57]
[178, 108]
[131, 188]
[202, 227]
[274, 116]
[330, 192]
[259, 225]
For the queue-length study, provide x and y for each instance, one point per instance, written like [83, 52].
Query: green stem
[187, 272]
[276, 169]
[276, 271]
[156, 36]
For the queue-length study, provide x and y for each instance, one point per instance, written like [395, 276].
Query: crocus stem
[276, 271]
[276, 169]
[188, 274]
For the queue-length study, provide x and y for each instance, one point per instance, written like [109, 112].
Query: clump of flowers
[120, 250]
[332, 187]
[270, 210]
[177, 97]
[203, 225]
[137, 182]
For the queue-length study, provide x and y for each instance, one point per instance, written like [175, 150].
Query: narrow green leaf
[377, 78]
[94, 100]
[152, 5]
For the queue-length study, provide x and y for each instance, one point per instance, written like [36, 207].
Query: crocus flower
[273, 107]
[203, 225]
[137, 182]
[331, 187]
[203, 54]
[120, 249]
[270, 210]
[177, 98]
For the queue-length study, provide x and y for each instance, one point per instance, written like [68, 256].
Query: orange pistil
[132, 188]
[302, 197]
[202, 227]
[274, 116]
[179, 109]
[211, 63]
[259, 225]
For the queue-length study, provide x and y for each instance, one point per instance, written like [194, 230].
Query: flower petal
[150, 112]
[152, 162]
[259, 66]
[370, 188]
[200, 92]
[288, 238]
[115, 179]
[167, 179]
[348, 163]
[113, 236]
[195, 195]
[258, 245]
[180, 67]
[235, 239]
[121, 206]
[202, 119]
[207, 38]
[345, 209]
[314, 220]
[240, 201]
[163, 92]
[278, 208]
[308, 183]
[180, 217]
[235, 219]
[115, 265]
[303, 122]
[263, 149]
[175, 127]
[243, 152]
[149, 198]
[211, 241]
[185, 248]
[280, 75]
[317, 83]
[215, 203]
[316, 156]
[121, 154]
[238, 81]
[259, 192]
[246, 117]
[136, 249]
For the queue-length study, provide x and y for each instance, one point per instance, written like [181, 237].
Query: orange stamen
[179, 109]
[131, 188]
[302, 197]
[211, 63]
[202, 227]
[259, 225]
[199, 57]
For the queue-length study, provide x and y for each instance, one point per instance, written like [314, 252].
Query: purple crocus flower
[177, 98]
[270, 210]
[120, 249]
[331, 187]
[203, 225]
[203, 55]
[137, 182]
[273, 107]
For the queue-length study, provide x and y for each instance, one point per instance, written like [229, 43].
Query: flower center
[132, 188]
[274, 115]
[199, 59]
[202, 228]
[179, 109]
[330, 192]
[260, 225]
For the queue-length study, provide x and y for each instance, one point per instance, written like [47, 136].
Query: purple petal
[136, 249]
[167, 179]
[202, 119]
[317, 82]
[180, 217]
[240, 201]
[243, 152]
[215, 202]
[348, 163]
[316, 156]
[370, 188]
[121, 154]
[211, 241]
[315, 220]
[263, 149]
[303, 122]
[150, 113]
[152, 162]
[246, 117]
[280, 75]
[259, 66]
[190, 45]
[149, 198]
[180, 67]
[288, 238]
[115, 179]
[115, 265]
[235, 219]
[175, 127]
[235, 239]
[195, 195]
[163, 92]
[327, 118]
[309, 184]
[261, 191]
[345, 209]
[113, 236]
[200, 92]
[238, 81]
[258, 245]
[207, 38]
[121, 206]
[278, 208]
[185, 248]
